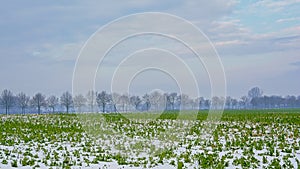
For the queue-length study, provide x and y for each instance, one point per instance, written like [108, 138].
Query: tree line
[154, 101]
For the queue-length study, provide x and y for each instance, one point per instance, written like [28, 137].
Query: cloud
[288, 19]
[272, 3]
[231, 42]
[39, 33]
[227, 30]
[275, 5]
[202, 13]
[58, 52]
[54, 29]
[232, 37]
[295, 64]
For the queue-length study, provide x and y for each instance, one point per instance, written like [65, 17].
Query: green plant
[4, 161]
[14, 163]
[265, 161]
[180, 165]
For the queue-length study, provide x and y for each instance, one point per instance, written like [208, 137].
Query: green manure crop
[240, 139]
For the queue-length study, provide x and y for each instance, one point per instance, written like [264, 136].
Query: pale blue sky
[258, 41]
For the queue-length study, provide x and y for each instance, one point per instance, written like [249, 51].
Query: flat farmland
[240, 139]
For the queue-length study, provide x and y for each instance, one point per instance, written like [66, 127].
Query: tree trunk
[115, 108]
[103, 107]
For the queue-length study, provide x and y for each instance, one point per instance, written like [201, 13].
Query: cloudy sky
[257, 41]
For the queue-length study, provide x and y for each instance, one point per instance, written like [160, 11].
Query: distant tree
[153, 101]
[168, 101]
[200, 101]
[52, 102]
[102, 99]
[171, 99]
[278, 100]
[291, 101]
[91, 99]
[234, 103]
[23, 101]
[194, 103]
[255, 92]
[266, 102]
[228, 102]
[207, 103]
[66, 100]
[244, 102]
[256, 102]
[115, 99]
[215, 102]
[38, 100]
[184, 100]
[156, 99]
[79, 101]
[135, 101]
[7, 100]
[222, 102]
[124, 101]
[147, 102]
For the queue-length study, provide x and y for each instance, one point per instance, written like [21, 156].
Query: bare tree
[79, 101]
[197, 103]
[66, 100]
[146, 99]
[207, 103]
[234, 103]
[135, 101]
[255, 92]
[245, 101]
[171, 99]
[228, 102]
[52, 102]
[124, 101]
[185, 100]
[102, 99]
[154, 101]
[115, 99]
[194, 103]
[156, 98]
[91, 99]
[7, 100]
[38, 100]
[201, 103]
[23, 101]
[221, 103]
[215, 102]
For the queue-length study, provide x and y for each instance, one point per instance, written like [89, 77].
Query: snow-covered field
[242, 139]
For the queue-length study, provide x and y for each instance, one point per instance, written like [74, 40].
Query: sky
[257, 42]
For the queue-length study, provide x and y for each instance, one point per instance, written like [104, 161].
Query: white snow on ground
[149, 144]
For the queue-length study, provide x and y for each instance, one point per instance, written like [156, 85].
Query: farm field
[241, 139]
